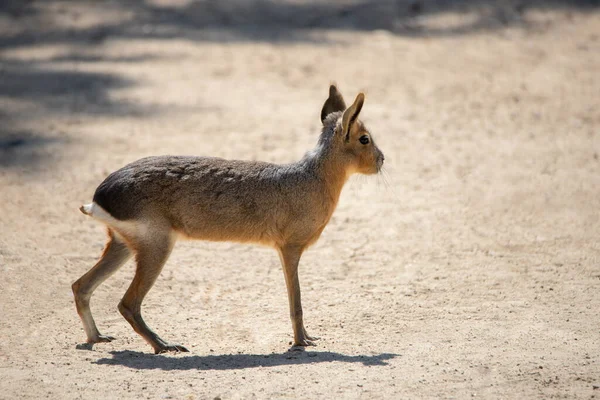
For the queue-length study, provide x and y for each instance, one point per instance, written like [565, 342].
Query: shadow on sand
[275, 21]
[137, 360]
[34, 88]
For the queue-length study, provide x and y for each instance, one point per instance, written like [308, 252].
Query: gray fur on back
[218, 199]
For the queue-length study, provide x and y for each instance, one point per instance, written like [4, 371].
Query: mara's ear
[334, 103]
[351, 114]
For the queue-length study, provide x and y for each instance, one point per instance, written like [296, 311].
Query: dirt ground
[470, 269]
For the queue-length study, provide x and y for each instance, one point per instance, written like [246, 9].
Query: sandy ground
[470, 270]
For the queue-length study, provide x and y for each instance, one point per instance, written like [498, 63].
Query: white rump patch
[130, 228]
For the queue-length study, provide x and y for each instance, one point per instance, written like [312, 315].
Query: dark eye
[364, 139]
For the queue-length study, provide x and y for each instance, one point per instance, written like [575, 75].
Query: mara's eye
[364, 139]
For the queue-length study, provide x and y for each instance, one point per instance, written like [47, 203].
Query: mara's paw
[85, 346]
[176, 348]
[103, 339]
[299, 345]
[89, 345]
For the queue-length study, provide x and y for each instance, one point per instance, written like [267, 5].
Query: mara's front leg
[290, 257]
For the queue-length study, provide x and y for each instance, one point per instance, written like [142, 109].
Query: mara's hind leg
[150, 260]
[114, 256]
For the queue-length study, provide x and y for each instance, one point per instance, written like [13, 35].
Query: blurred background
[470, 268]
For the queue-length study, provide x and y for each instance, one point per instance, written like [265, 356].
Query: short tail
[99, 213]
[95, 211]
[86, 209]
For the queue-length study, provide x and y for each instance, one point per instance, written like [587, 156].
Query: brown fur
[150, 202]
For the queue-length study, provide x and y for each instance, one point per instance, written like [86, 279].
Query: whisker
[387, 180]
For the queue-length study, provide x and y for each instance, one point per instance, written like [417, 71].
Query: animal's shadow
[137, 360]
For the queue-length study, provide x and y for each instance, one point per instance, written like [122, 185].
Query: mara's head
[348, 136]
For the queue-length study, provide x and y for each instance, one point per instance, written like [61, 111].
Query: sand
[469, 269]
